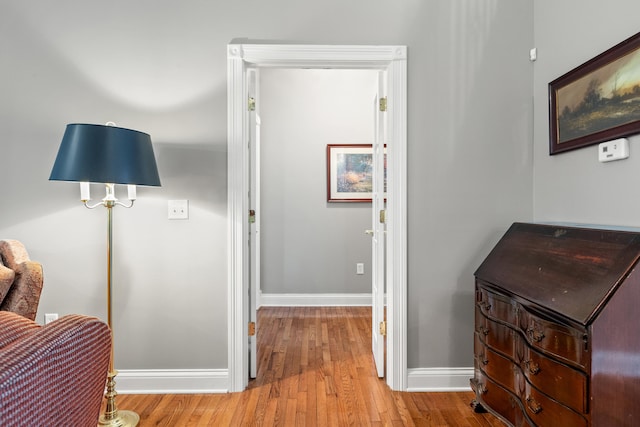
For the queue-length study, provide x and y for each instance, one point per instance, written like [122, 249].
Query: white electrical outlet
[617, 149]
[359, 268]
[50, 317]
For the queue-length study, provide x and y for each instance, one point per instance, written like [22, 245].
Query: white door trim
[394, 60]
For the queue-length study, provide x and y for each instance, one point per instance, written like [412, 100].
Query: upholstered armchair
[52, 375]
[20, 280]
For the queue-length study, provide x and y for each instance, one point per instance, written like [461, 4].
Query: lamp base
[112, 417]
[122, 419]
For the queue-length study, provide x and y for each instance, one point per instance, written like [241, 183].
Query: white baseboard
[439, 379]
[314, 300]
[172, 381]
[191, 381]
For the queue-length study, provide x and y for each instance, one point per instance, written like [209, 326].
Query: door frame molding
[393, 59]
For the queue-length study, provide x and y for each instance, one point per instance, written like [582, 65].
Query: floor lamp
[110, 155]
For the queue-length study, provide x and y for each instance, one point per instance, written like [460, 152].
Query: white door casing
[391, 59]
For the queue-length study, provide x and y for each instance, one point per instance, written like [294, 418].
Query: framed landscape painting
[597, 101]
[349, 172]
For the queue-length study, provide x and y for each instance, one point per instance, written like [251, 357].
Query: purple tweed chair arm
[53, 375]
[13, 328]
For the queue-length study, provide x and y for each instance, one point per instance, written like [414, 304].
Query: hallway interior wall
[309, 245]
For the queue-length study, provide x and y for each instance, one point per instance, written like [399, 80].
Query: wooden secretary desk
[557, 328]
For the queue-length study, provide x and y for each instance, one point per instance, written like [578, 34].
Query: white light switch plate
[617, 149]
[178, 209]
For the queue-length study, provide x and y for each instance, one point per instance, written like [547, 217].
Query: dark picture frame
[597, 101]
[349, 173]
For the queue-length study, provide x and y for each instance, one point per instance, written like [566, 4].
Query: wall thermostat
[617, 149]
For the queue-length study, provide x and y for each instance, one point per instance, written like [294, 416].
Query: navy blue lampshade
[105, 154]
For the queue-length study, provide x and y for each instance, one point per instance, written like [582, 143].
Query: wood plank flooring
[315, 368]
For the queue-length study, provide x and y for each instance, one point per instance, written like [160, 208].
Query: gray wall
[309, 245]
[574, 186]
[160, 66]
[470, 163]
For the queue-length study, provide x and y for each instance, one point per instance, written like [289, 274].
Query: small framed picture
[350, 172]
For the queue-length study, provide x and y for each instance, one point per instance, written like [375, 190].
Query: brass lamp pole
[110, 155]
[112, 416]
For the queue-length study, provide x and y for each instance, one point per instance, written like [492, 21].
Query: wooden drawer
[544, 411]
[497, 400]
[497, 367]
[561, 341]
[560, 382]
[481, 322]
[478, 351]
[496, 306]
[499, 337]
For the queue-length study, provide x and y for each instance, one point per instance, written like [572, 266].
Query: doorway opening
[307, 247]
[241, 59]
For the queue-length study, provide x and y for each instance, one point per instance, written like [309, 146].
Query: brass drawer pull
[532, 366]
[483, 359]
[485, 306]
[477, 386]
[534, 335]
[534, 406]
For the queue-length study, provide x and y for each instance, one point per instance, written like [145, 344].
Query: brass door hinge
[383, 216]
[252, 216]
[383, 104]
[252, 328]
[251, 104]
[383, 328]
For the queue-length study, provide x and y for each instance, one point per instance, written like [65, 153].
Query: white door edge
[254, 227]
[377, 226]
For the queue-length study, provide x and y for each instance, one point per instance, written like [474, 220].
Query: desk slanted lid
[570, 270]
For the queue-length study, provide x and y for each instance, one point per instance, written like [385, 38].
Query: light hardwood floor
[315, 368]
